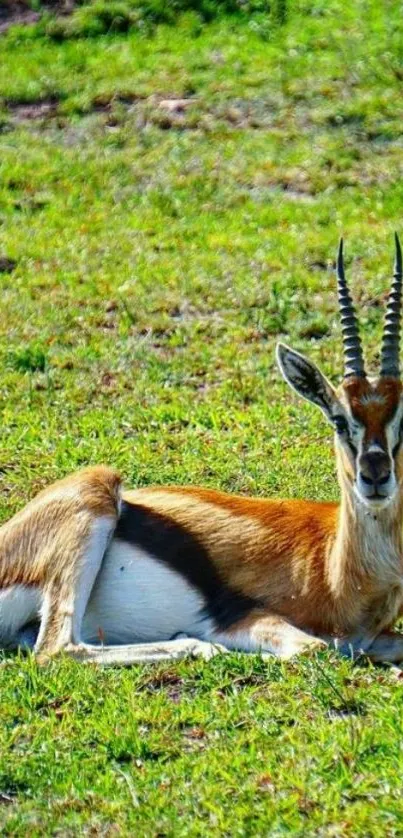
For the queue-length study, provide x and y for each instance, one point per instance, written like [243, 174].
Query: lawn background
[152, 256]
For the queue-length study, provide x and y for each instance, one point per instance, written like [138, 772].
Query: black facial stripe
[343, 431]
[170, 543]
[341, 424]
[352, 447]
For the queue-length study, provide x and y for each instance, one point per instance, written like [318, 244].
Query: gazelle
[162, 572]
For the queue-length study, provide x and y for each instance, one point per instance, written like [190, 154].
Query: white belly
[137, 598]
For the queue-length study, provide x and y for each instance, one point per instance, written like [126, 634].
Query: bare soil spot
[18, 18]
[169, 112]
[104, 103]
[188, 113]
[297, 195]
[41, 109]
[176, 105]
[20, 12]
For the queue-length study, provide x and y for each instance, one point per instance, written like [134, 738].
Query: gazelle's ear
[306, 379]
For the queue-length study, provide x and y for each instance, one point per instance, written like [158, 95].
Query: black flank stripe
[173, 545]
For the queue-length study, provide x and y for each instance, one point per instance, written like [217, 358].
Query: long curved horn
[353, 358]
[391, 334]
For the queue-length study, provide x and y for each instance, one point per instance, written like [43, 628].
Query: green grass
[159, 256]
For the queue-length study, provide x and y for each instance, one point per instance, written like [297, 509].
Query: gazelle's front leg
[265, 634]
[166, 650]
[269, 634]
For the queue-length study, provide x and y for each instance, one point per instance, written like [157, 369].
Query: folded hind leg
[67, 593]
[71, 555]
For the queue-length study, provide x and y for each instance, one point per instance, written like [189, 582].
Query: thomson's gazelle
[162, 572]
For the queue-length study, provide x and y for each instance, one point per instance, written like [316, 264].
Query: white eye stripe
[393, 430]
[356, 428]
[397, 419]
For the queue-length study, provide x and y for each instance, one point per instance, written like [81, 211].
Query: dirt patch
[163, 112]
[105, 103]
[17, 19]
[169, 112]
[27, 111]
[297, 194]
[20, 13]
[175, 105]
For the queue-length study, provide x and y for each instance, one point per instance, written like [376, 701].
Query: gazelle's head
[367, 414]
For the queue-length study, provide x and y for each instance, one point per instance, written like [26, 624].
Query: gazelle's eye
[340, 424]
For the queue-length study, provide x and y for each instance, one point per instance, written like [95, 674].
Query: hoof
[205, 650]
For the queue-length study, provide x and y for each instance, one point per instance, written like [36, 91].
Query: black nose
[375, 468]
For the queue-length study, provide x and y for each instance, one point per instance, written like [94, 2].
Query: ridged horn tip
[340, 261]
[390, 362]
[398, 255]
[353, 358]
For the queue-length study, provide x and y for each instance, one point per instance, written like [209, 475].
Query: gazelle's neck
[368, 550]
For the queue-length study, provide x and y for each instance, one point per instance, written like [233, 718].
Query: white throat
[368, 546]
[374, 536]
